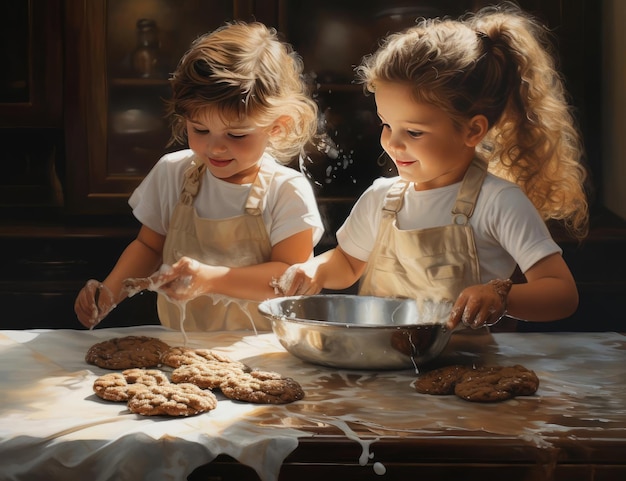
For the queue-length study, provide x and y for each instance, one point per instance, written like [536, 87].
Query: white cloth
[507, 228]
[53, 427]
[291, 206]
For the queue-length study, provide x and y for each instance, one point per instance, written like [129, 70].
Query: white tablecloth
[53, 427]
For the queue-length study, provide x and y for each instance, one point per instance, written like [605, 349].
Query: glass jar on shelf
[145, 58]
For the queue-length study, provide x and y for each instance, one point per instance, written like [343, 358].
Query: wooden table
[351, 424]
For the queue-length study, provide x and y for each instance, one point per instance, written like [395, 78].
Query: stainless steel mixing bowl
[356, 332]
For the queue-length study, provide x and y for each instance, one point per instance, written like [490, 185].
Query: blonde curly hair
[497, 62]
[245, 71]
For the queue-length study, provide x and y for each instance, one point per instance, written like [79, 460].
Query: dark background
[80, 128]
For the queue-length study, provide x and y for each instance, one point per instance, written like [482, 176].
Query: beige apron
[234, 242]
[435, 263]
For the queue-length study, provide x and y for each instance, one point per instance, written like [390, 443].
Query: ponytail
[535, 143]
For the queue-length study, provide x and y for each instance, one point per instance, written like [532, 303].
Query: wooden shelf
[138, 82]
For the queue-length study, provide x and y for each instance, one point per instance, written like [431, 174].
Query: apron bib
[435, 263]
[233, 242]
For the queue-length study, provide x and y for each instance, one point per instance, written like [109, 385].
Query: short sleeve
[293, 208]
[514, 222]
[357, 235]
[154, 200]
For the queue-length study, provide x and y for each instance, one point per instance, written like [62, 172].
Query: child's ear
[279, 126]
[477, 128]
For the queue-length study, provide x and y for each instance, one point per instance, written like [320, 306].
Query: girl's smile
[219, 163]
[403, 163]
[426, 146]
[232, 151]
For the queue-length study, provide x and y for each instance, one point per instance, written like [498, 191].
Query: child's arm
[140, 259]
[189, 278]
[549, 294]
[334, 269]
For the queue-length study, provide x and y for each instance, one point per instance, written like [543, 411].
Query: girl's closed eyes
[242, 123]
[231, 135]
[411, 133]
[414, 133]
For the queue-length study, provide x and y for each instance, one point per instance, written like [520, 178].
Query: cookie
[179, 356]
[121, 386]
[208, 374]
[496, 383]
[148, 377]
[262, 387]
[127, 352]
[172, 400]
[440, 381]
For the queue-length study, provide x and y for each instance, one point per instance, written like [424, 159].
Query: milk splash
[241, 303]
[366, 453]
[135, 285]
[215, 298]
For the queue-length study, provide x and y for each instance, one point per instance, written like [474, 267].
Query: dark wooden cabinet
[31, 57]
[81, 123]
[114, 125]
[31, 107]
[71, 68]
[44, 266]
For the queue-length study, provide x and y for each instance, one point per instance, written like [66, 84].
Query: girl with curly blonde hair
[475, 119]
[224, 217]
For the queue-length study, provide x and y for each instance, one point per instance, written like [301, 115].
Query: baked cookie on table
[208, 374]
[496, 383]
[479, 384]
[440, 381]
[127, 352]
[178, 356]
[172, 400]
[121, 386]
[262, 387]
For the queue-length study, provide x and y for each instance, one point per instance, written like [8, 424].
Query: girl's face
[231, 151]
[421, 139]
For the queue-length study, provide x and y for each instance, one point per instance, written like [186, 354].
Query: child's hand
[183, 281]
[93, 303]
[480, 305]
[298, 280]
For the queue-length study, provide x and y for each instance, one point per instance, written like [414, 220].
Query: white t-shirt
[290, 205]
[507, 228]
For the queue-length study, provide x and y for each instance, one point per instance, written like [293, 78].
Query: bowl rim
[263, 309]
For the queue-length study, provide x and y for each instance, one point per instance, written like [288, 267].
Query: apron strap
[256, 197]
[465, 200]
[258, 191]
[191, 183]
[469, 191]
[394, 198]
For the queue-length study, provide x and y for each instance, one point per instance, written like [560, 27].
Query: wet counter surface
[351, 424]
